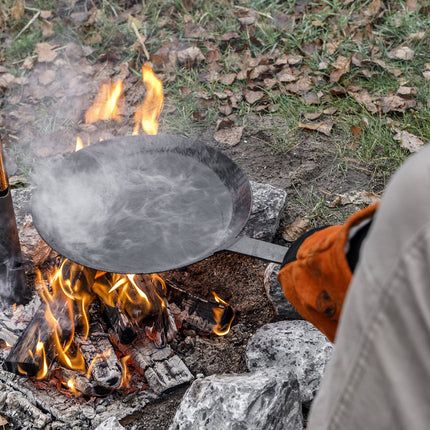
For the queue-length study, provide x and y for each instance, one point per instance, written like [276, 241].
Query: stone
[291, 346]
[268, 204]
[266, 399]
[283, 308]
[110, 424]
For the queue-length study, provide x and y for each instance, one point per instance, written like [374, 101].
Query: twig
[140, 40]
[36, 15]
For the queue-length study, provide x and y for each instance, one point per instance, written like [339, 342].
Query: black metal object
[141, 204]
[13, 283]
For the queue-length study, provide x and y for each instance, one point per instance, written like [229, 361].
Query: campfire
[97, 332]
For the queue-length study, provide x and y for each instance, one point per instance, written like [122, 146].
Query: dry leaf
[45, 52]
[252, 96]
[322, 127]
[330, 111]
[227, 79]
[194, 31]
[28, 63]
[226, 37]
[426, 75]
[47, 77]
[229, 136]
[408, 140]
[395, 103]
[47, 28]
[17, 9]
[303, 85]
[256, 72]
[342, 66]
[190, 55]
[226, 109]
[401, 53]
[412, 5]
[373, 8]
[364, 98]
[392, 70]
[7, 79]
[296, 229]
[313, 116]
[356, 131]
[286, 75]
[354, 197]
[3, 421]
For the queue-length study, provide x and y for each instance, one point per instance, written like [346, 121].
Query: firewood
[162, 368]
[19, 359]
[75, 380]
[103, 367]
[198, 312]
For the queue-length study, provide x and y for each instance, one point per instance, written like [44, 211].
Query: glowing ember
[105, 106]
[148, 112]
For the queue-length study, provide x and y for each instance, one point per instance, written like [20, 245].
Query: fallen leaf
[230, 35]
[373, 8]
[364, 98]
[330, 111]
[190, 55]
[256, 72]
[296, 229]
[301, 86]
[28, 63]
[412, 5]
[426, 75]
[7, 80]
[311, 116]
[322, 127]
[210, 76]
[394, 103]
[337, 91]
[408, 140]
[194, 31]
[381, 63]
[224, 123]
[342, 66]
[356, 198]
[311, 98]
[17, 9]
[252, 96]
[47, 28]
[3, 421]
[401, 53]
[227, 79]
[45, 14]
[356, 131]
[45, 52]
[229, 136]
[225, 109]
[286, 75]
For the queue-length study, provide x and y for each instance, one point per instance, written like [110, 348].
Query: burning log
[200, 313]
[162, 368]
[120, 323]
[103, 368]
[26, 357]
[75, 381]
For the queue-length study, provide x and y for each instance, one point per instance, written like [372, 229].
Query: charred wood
[162, 368]
[21, 358]
[120, 323]
[104, 369]
[75, 380]
[200, 313]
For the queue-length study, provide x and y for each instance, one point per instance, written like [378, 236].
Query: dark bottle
[13, 283]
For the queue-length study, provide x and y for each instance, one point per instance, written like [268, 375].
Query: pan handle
[258, 248]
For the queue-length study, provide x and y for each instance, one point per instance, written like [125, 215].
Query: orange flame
[105, 105]
[79, 144]
[221, 328]
[125, 380]
[148, 112]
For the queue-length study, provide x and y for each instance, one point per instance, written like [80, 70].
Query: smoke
[130, 206]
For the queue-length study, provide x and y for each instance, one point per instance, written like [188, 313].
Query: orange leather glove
[316, 281]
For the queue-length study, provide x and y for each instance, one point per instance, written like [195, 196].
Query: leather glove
[316, 274]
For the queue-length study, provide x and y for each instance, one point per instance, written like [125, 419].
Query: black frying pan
[142, 204]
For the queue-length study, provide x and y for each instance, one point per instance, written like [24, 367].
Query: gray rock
[268, 204]
[293, 346]
[266, 399]
[110, 424]
[283, 308]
